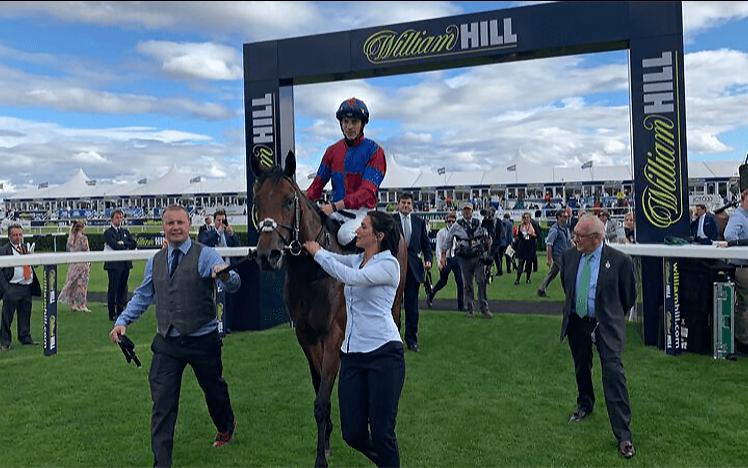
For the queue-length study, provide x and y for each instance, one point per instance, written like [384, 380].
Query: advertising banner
[676, 332]
[49, 303]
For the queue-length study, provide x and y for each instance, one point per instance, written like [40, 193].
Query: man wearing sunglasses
[600, 289]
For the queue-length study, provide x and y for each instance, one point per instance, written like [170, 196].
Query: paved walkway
[539, 307]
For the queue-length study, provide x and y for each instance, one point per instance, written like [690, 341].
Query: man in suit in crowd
[117, 238]
[17, 285]
[207, 226]
[600, 289]
[703, 227]
[222, 235]
[413, 229]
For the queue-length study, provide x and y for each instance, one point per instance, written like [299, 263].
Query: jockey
[356, 166]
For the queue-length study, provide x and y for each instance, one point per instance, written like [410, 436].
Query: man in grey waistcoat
[181, 280]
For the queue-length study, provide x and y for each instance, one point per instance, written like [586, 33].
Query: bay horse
[315, 301]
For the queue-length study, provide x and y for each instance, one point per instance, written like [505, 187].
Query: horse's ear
[290, 164]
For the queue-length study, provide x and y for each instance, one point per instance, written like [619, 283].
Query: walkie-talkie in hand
[128, 349]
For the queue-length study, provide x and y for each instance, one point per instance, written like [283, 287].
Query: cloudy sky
[126, 90]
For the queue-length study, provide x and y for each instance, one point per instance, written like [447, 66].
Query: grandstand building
[82, 197]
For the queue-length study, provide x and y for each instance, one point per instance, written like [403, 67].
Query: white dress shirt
[369, 295]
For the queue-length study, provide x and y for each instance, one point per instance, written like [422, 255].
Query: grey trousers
[472, 268]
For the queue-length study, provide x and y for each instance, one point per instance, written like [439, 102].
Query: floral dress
[76, 286]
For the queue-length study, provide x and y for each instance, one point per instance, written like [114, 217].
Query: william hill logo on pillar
[389, 46]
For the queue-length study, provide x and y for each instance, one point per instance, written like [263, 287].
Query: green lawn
[481, 393]
[502, 288]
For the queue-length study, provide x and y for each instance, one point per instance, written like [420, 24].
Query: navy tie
[175, 255]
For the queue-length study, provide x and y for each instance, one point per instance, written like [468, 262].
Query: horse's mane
[275, 175]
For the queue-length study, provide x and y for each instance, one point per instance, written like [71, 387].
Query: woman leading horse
[315, 300]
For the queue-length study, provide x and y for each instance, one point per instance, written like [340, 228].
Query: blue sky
[125, 91]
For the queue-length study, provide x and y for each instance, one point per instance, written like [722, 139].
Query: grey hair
[596, 225]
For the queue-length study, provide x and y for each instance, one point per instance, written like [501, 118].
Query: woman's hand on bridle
[312, 247]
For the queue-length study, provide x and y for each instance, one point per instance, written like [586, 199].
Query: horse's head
[278, 205]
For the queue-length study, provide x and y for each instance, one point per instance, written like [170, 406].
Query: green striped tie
[583, 287]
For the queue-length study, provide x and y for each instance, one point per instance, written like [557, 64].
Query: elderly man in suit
[17, 285]
[600, 289]
[413, 229]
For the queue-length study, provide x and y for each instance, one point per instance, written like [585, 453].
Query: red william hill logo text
[388, 46]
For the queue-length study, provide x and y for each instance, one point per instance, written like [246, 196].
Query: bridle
[293, 242]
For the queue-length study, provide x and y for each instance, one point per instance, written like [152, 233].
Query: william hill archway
[651, 31]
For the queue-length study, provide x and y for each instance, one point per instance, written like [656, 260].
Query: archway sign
[651, 31]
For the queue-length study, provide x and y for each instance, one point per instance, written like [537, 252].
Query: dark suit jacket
[112, 238]
[419, 243]
[710, 227]
[7, 275]
[614, 296]
[212, 237]
[202, 230]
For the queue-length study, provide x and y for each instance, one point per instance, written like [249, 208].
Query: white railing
[683, 251]
[99, 256]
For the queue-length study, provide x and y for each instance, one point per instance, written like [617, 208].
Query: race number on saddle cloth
[355, 167]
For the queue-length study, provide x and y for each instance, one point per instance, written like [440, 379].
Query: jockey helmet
[353, 109]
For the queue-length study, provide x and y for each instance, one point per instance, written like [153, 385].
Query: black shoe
[498, 273]
[29, 342]
[429, 301]
[516, 282]
[541, 292]
[626, 449]
[579, 414]
[414, 347]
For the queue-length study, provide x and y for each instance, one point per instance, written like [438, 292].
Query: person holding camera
[222, 236]
[473, 245]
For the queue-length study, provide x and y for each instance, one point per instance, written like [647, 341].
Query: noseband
[293, 243]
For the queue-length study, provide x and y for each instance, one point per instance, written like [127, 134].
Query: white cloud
[205, 61]
[252, 21]
[43, 151]
[89, 157]
[18, 88]
[701, 16]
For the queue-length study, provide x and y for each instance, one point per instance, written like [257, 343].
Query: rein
[293, 243]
